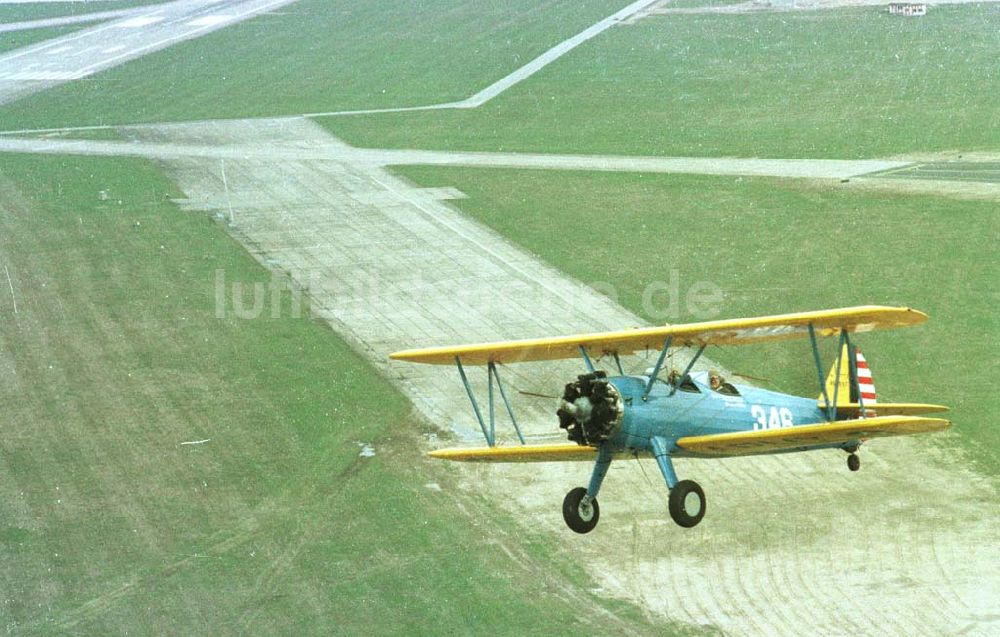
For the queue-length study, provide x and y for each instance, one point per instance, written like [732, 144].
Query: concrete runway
[78, 55]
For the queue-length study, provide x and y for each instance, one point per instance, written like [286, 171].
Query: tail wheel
[687, 503]
[853, 462]
[580, 511]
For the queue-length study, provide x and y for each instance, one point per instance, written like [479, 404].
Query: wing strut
[475, 405]
[586, 360]
[832, 409]
[819, 369]
[656, 368]
[852, 360]
[687, 370]
[503, 394]
[490, 433]
[618, 362]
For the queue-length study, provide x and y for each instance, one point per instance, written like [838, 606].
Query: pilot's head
[714, 380]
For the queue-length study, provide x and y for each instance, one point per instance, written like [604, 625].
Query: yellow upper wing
[745, 443]
[726, 332]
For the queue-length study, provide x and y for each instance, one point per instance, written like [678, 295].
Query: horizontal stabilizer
[562, 452]
[851, 410]
[744, 443]
[726, 332]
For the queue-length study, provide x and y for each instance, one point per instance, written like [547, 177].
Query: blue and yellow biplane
[690, 414]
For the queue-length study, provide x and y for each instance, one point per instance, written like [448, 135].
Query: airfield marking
[209, 20]
[141, 21]
[11, 285]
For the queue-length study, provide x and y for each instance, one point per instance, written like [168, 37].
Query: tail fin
[846, 394]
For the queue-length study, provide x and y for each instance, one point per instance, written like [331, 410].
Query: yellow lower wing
[524, 453]
[887, 409]
[745, 443]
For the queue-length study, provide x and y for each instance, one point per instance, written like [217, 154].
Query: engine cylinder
[591, 409]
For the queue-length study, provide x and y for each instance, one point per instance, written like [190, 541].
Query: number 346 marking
[775, 419]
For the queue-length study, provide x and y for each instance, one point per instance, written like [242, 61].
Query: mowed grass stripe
[275, 525]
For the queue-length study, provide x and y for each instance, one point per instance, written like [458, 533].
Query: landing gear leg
[687, 500]
[580, 509]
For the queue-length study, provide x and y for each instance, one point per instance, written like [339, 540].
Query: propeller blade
[537, 395]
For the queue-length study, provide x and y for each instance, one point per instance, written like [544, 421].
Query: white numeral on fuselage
[777, 418]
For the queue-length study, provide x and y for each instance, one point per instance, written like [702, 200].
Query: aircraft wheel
[581, 513]
[687, 503]
[853, 462]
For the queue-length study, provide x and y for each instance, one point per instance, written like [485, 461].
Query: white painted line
[79, 52]
[42, 76]
[113, 49]
[141, 21]
[12, 297]
[209, 20]
[59, 50]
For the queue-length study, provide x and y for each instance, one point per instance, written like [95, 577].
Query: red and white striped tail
[865, 384]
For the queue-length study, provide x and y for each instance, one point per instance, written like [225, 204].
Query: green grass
[850, 83]
[23, 12]
[777, 246]
[318, 55]
[108, 524]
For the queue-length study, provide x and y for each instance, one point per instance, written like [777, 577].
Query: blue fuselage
[697, 410]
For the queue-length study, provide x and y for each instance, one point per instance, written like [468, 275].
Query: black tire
[853, 462]
[687, 503]
[580, 518]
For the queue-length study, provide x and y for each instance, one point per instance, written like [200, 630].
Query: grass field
[276, 525]
[318, 55]
[777, 246]
[849, 83]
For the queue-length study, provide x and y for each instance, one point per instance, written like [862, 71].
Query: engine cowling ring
[590, 409]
